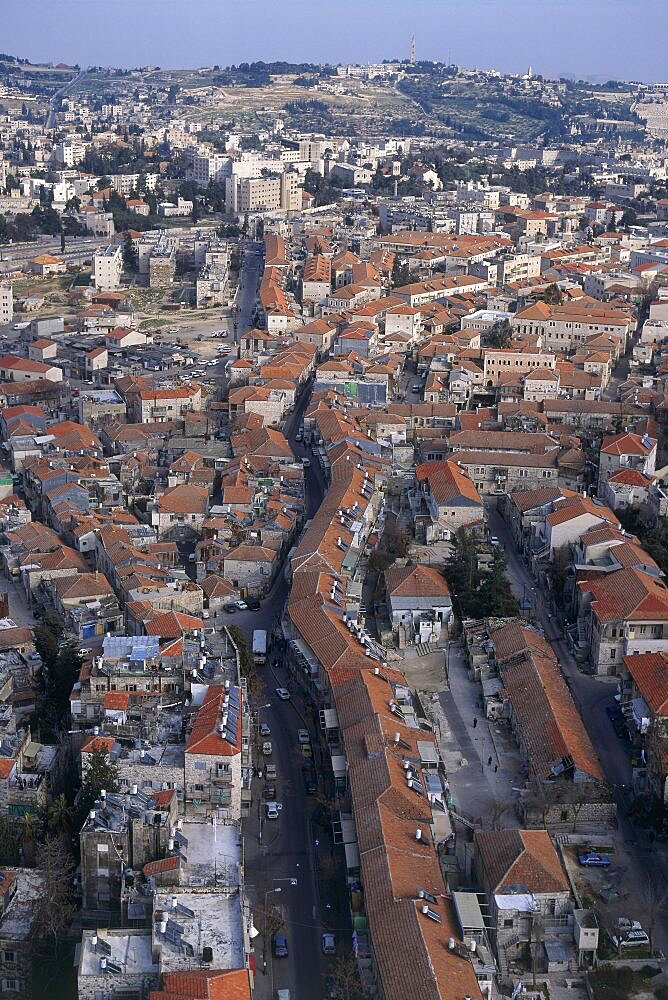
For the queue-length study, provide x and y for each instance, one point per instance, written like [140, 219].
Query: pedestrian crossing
[424, 648]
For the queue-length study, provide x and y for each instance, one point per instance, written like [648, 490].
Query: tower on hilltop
[411, 52]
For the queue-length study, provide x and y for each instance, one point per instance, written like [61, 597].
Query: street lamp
[264, 940]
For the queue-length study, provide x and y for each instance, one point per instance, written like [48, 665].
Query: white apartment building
[210, 167]
[263, 194]
[6, 304]
[108, 266]
[69, 152]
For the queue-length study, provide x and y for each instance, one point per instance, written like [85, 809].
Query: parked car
[303, 736]
[310, 781]
[328, 944]
[230, 608]
[253, 604]
[264, 729]
[267, 748]
[241, 605]
[283, 694]
[306, 463]
[299, 436]
[416, 388]
[270, 792]
[494, 541]
[591, 859]
[270, 772]
[634, 939]
[271, 812]
[280, 946]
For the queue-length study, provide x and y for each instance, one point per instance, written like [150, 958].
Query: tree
[129, 254]
[400, 273]
[654, 904]
[101, 773]
[553, 295]
[346, 980]
[62, 241]
[31, 828]
[59, 817]
[55, 907]
[500, 335]
[629, 218]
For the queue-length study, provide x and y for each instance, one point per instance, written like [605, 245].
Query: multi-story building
[108, 267]
[212, 770]
[6, 304]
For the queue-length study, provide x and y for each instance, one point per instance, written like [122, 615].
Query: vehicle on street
[310, 780]
[259, 646]
[241, 605]
[270, 772]
[253, 604]
[271, 812]
[591, 859]
[283, 694]
[280, 946]
[494, 541]
[299, 436]
[267, 749]
[416, 388]
[328, 944]
[303, 736]
[265, 729]
[230, 608]
[306, 462]
[270, 793]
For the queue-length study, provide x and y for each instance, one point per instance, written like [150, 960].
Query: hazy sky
[626, 39]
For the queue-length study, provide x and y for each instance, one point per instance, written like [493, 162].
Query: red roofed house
[625, 451]
[419, 602]
[205, 984]
[450, 498]
[627, 488]
[644, 701]
[15, 369]
[522, 876]
[212, 767]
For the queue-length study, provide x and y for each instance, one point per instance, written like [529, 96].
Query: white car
[303, 736]
[283, 694]
[267, 749]
[271, 810]
[241, 605]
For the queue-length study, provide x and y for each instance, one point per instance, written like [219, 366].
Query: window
[200, 765]
[9, 985]
[10, 956]
[508, 922]
[198, 788]
[613, 654]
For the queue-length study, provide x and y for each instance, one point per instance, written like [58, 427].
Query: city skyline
[445, 30]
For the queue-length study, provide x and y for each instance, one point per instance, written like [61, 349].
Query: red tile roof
[205, 737]
[650, 673]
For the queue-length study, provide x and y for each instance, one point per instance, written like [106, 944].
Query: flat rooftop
[131, 951]
[199, 920]
[213, 853]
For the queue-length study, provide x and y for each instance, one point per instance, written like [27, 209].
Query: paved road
[285, 848]
[592, 696]
[53, 104]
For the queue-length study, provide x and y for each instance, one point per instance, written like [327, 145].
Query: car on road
[494, 541]
[416, 388]
[230, 609]
[590, 859]
[241, 605]
[306, 463]
[283, 694]
[271, 811]
[270, 793]
[264, 729]
[280, 946]
[299, 436]
[267, 748]
[328, 944]
[253, 604]
[303, 736]
[270, 772]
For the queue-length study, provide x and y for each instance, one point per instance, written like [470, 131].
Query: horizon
[446, 31]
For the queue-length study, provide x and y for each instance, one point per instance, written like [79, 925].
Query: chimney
[418, 834]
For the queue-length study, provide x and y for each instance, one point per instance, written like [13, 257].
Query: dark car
[591, 859]
[253, 603]
[280, 946]
[270, 793]
[310, 781]
[230, 608]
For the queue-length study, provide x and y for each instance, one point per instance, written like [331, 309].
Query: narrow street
[592, 696]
